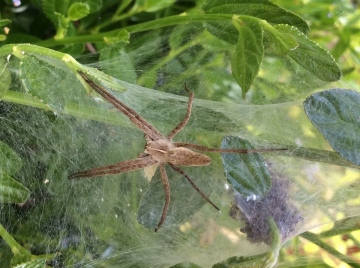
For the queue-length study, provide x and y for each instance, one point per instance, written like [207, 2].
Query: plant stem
[15, 247]
[317, 241]
[141, 27]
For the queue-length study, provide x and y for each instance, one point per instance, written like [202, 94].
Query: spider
[159, 149]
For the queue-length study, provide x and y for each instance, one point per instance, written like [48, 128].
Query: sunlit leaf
[279, 42]
[5, 78]
[247, 173]
[311, 56]
[154, 5]
[78, 11]
[335, 113]
[248, 53]
[35, 71]
[262, 9]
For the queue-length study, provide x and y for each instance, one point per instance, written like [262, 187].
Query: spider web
[97, 218]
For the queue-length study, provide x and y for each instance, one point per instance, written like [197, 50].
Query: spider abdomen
[163, 151]
[181, 156]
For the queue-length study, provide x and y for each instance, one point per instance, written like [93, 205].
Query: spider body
[164, 151]
[159, 150]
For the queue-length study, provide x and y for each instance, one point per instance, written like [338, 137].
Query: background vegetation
[50, 127]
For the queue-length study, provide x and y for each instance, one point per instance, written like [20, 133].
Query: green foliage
[246, 173]
[335, 113]
[11, 191]
[234, 51]
[248, 55]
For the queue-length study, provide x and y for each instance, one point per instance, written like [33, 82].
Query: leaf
[116, 62]
[261, 9]
[35, 71]
[154, 5]
[242, 262]
[12, 191]
[95, 5]
[247, 173]
[5, 78]
[279, 42]
[38, 263]
[4, 22]
[117, 37]
[184, 199]
[53, 8]
[21, 256]
[311, 56]
[10, 161]
[78, 11]
[185, 265]
[248, 53]
[335, 113]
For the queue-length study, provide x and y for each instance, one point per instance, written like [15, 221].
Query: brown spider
[159, 149]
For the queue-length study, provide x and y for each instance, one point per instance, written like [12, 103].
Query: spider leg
[183, 123]
[165, 181]
[124, 166]
[238, 151]
[139, 121]
[193, 184]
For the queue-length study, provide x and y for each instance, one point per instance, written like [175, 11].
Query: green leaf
[335, 113]
[261, 9]
[22, 257]
[245, 262]
[38, 263]
[52, 8]
[78, 11]
[185, 265]
[311, 56]
[4, 22]
[95, 5]
[35, 71]
[122, 36]
[116, 62]
[248, 53]
[154, 5]
[184, 200]
[10, 161]
[342, 44]
[247, 173]
[12, 191]
[279, 42]
[5, 78]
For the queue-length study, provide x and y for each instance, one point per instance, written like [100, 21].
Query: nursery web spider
[159, 149]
